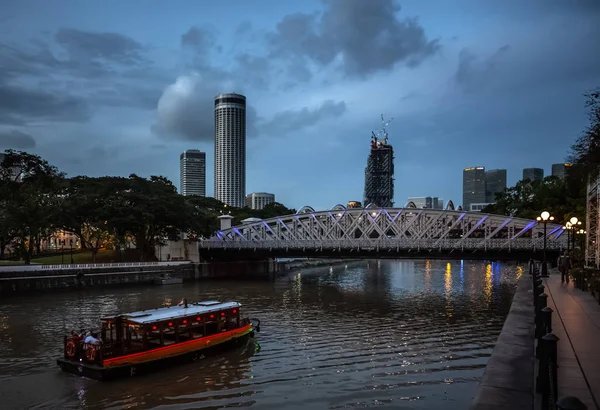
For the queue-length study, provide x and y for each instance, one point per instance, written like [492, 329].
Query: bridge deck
[576, 321]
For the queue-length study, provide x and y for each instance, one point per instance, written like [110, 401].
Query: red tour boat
[140, 342]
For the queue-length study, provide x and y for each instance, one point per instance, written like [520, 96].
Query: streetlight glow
[545, 215]
[574, 220]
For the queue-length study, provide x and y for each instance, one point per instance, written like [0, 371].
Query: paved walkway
[576, 321]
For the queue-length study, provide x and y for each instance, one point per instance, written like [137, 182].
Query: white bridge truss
[592, 243]
[392, 229]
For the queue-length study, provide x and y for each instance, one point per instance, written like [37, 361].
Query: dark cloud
[200, 39]
[26, 105]
[472, 74]
[366, 35]
[16, 139]
[297, 120]
[85, 46]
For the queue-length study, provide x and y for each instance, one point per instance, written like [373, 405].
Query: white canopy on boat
[175, 312]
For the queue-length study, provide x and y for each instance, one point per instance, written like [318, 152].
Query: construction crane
[382, 133]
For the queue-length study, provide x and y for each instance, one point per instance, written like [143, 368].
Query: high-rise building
[473, 186]
[230, 149]
[379, 174]
[192, 173]
[495, 183]
[533, 174]
[258, 200]
[427, 202]
[560, 170]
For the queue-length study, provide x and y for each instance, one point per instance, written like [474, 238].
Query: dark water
[397, 334]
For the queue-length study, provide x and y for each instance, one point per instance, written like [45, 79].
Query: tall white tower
[192, 173]
[230, 149]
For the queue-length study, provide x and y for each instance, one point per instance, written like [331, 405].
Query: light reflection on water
[406, 334]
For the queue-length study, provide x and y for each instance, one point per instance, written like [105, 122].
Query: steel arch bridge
[386, 232]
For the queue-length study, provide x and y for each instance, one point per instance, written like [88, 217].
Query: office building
[379, 174]
[533, 174]
[258, 200]
[473, 186]
[192, 173]
[495, 183]
[560, 170]
[427, 202]
[230, 149]
[478, 207]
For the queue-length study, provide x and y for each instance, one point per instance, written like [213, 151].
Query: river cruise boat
[140, 342]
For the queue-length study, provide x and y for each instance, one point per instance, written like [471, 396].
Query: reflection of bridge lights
[448, 279]
[487, 286]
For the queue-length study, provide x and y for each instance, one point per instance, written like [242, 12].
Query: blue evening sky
[119, 87]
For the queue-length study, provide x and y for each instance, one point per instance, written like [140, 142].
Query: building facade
[427, 202]
[473, 186]
[379, 175]
[495, 183]
[258, 200]
[192, 173]
[533, 174]
[560, 170]
[230, 149]
[354, 204]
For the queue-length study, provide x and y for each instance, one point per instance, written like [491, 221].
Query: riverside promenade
[576, 321]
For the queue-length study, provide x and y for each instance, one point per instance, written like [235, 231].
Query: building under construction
[379, 174]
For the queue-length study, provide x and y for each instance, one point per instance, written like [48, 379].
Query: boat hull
[97, 372]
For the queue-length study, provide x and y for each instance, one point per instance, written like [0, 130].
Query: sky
[113, 88]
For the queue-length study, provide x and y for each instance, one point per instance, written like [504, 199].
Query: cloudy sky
[117, 87]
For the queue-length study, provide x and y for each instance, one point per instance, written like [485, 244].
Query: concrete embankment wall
[38, 278]
[507, 382]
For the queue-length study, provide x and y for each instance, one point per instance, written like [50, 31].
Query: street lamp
[574, 224]
[582, 232]
[544, 218]
[568, 227]
[71, 246]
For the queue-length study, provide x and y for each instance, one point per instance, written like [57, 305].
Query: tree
[87, 209]
[202, 217]
[151, 210]
[585, 153]
[31, 189]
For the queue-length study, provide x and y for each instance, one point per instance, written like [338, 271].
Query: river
[397, 334]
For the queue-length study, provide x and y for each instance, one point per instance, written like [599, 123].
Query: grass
[103, 256]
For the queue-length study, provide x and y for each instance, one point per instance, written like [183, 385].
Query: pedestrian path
[576, 321]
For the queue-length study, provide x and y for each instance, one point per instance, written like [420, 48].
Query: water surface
[397, 334]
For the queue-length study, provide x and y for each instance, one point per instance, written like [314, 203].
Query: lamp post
[71, 246]
[544, 218]
[574, 224]
[568, 227]
[582, 232]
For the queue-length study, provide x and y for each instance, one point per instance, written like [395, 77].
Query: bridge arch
[450, 206]
[306, 209]
[388, 232]
[339, 207]
[371, 206]
[410, 204]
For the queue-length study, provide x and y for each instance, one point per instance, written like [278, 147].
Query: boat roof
[175, 312]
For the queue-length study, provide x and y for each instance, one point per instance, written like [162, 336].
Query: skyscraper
[230, 149]
[379, 175]
[473, 187]
[427, 202]
[495, 183]
[192, 173]
[560, 170]
[533, 174]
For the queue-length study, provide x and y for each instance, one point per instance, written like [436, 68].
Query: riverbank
[509, 374]
[285, 266]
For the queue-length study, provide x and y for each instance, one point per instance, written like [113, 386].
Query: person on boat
[92, 339]
[76, 338]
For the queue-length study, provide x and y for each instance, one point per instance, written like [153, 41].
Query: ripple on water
[402, 334]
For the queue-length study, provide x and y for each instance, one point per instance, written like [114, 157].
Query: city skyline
[93, 95]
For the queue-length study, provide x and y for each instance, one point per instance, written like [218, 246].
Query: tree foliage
[36, 200]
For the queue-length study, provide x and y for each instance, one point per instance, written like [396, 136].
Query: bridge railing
[68, 266]
[391, 244]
